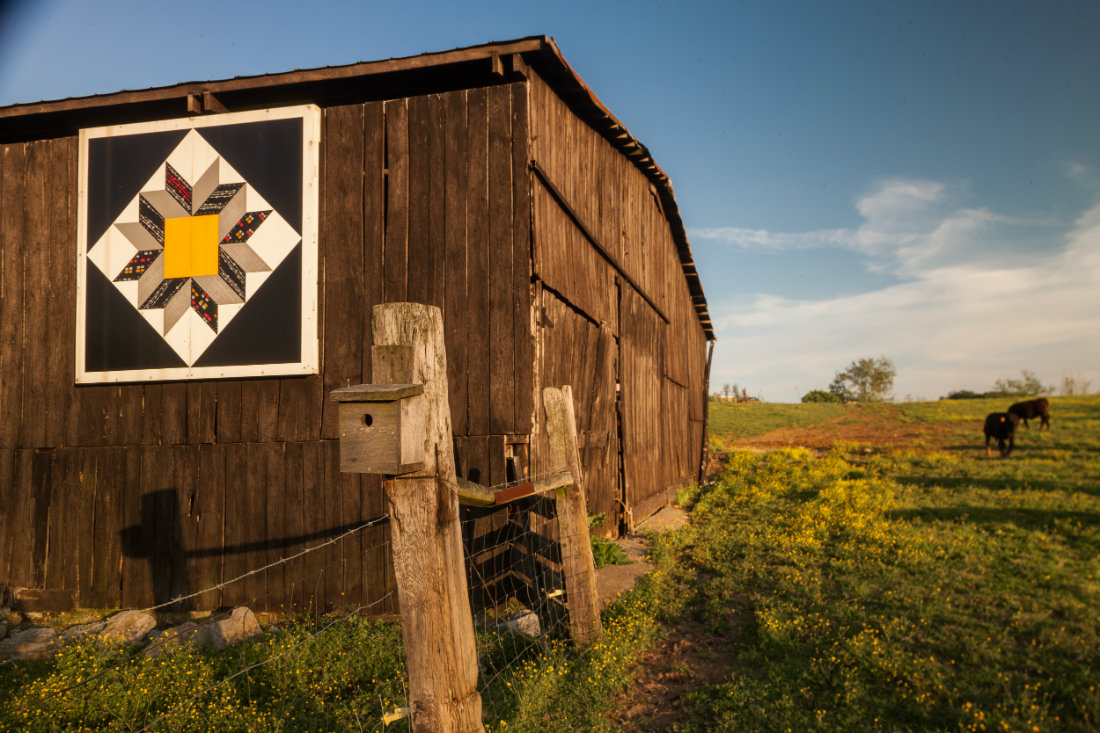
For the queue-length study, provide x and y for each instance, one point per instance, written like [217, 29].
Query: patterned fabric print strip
[246, 227]
[164, 293]
[179, 188]
[151, 219]
[218, 198]
[137, 266]
[204, 305]
[232, 273]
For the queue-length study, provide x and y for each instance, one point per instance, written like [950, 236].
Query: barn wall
[586, 190]
[125, 495]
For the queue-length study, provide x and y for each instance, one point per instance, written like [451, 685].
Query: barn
[187, 272]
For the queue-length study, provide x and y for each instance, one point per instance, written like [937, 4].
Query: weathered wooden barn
[489, 181]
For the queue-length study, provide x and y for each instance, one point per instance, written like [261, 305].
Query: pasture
[849, 568]
[901, 582]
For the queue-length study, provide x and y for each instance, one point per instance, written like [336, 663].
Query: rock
[10, 617]
[240, 625]
[161, 641]
[80, 630]
[30, 645]
[127, 627]
[525, 622]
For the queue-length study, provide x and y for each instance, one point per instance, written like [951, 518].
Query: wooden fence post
[576, 544]
[428, 561]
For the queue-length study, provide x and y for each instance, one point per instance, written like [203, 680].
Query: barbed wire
[281, 561]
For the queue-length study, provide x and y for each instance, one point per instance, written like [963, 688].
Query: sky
[918, 180]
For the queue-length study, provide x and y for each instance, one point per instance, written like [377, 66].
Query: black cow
[1002, 426]
[1031, 409]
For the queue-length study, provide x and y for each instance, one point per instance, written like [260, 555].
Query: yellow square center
[191, 246]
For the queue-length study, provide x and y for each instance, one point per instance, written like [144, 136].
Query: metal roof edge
[615, 132]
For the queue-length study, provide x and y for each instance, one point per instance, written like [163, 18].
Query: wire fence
[517, 595]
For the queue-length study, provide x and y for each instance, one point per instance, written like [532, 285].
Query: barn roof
[422, 74]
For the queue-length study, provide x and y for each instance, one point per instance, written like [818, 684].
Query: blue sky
[919, 180]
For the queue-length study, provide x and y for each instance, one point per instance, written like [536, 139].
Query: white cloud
[955, 326]
[908, 224]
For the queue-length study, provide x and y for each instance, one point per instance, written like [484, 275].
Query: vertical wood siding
[132, 494]
[662, 353]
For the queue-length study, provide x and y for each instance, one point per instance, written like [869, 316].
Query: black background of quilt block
[267, 330]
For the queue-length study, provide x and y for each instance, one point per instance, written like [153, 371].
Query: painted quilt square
[198, 248]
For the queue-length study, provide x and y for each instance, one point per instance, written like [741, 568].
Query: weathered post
[576, 545]
[436, 623]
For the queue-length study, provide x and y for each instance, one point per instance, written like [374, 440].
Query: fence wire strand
[515, 580]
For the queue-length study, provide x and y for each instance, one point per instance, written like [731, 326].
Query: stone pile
[130, 628]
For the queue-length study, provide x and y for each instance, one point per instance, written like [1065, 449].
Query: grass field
[889, 578]
[889, 587]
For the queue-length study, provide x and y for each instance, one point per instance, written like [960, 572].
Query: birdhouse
[381, 428]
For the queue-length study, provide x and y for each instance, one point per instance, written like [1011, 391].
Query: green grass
[731, 420]
[340, 679]
[902, 590]
[888, 590]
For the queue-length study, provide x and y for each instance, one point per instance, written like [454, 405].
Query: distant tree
[963, 394]
[725, 390]
[1073, 385]
[1028, 384]
[865, 380]
[820, 395]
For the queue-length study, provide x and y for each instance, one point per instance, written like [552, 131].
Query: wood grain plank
[109, 518]
[37, 345]
[21, 528]
[421, 263]
[498, 466]
[477, 264]
[204, 512]
[332, 556]
[60, 571]
[9, 499]
[378, 583]
[522, 266]
[296, 398]
[312, 579]
[294, 524]
[395, 248]
[351, 547]
[202, 407]
[455, 319]
[237, 521]
[84, 501]
[41, 488]
[173, 402]
[437, 224]
[60, 323]
[228, 415]
[12, 269]
[130, 410]
[477, 459]
[259, 410]
[502, 386]
[136, 591]
[255, 505]
[151, 422]
[374, 212]
[342, 248]
[277, 507]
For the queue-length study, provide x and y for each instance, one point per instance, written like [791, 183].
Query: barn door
[577, 352]
[641, 346]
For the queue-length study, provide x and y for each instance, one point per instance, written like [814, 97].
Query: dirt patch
[690, 658]
[867, 428]
[614, 580]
